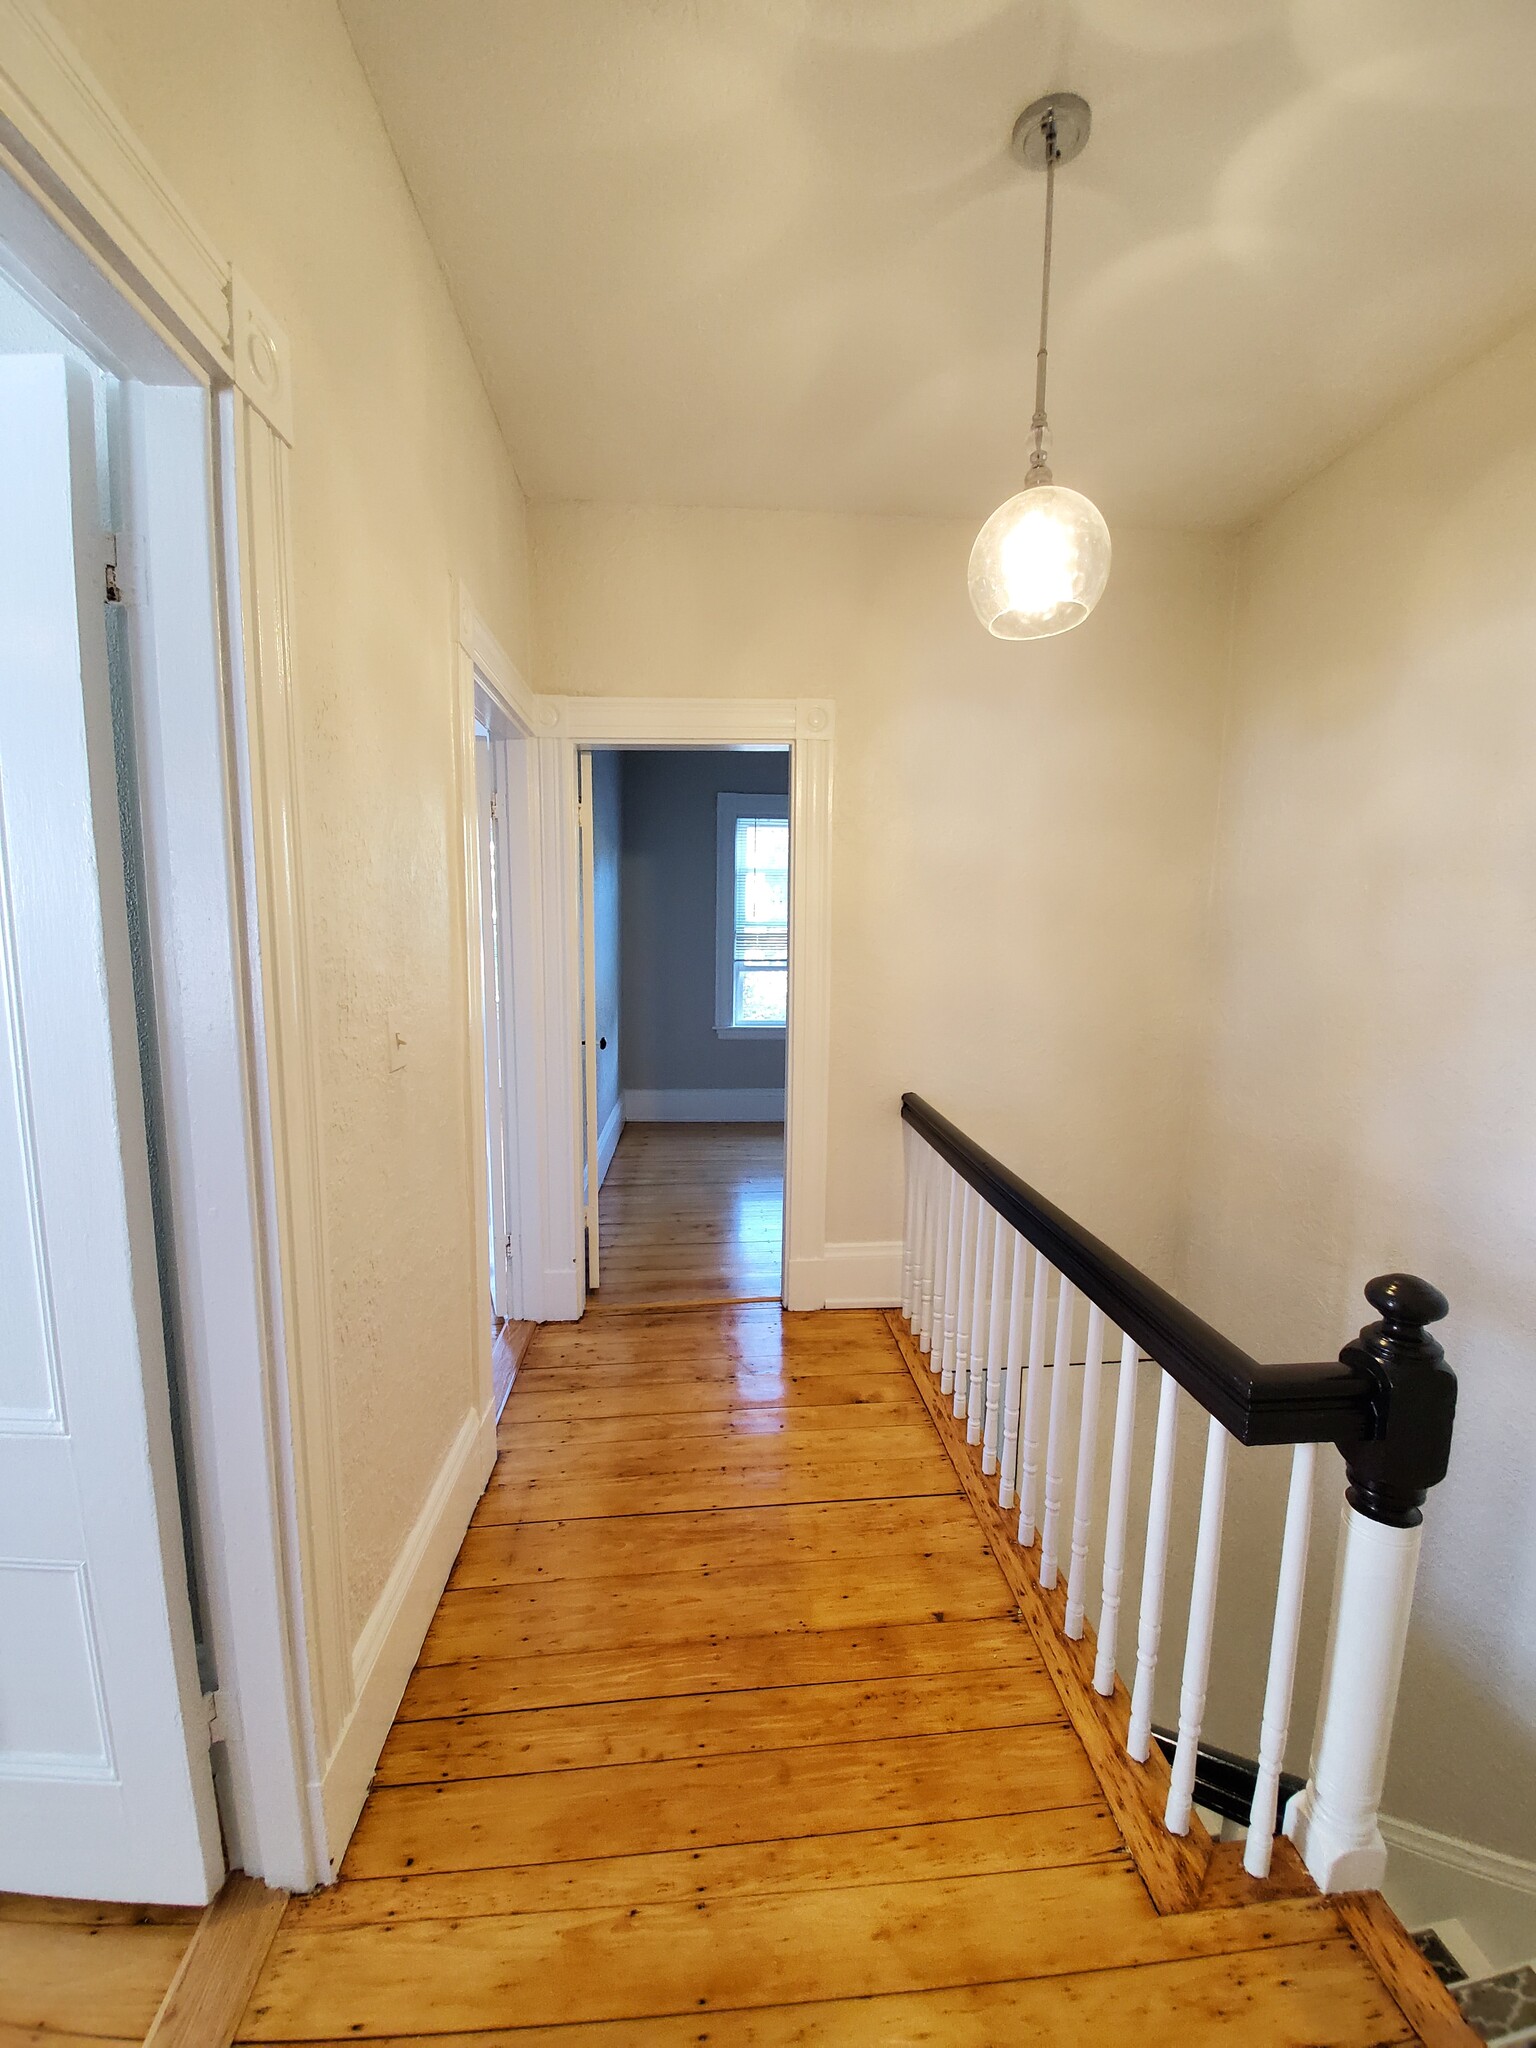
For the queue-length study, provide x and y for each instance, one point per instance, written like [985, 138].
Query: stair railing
[992, 1274]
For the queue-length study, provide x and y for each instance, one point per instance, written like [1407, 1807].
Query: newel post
[1335, 1820]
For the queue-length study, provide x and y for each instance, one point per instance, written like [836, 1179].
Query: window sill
[750, 1030]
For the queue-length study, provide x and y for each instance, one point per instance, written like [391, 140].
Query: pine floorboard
[73, 1971]
[692, 1212]
[728, 1730]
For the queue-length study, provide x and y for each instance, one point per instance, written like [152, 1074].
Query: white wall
[259, 114]
[1369, 1095]
[1021, 833]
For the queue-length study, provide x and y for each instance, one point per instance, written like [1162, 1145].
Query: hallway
[727, 1730]
[693, 1212]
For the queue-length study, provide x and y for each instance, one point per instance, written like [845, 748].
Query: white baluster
[965, 1294]
[1276, 1722]
[1013, 1386]
[1202, 1619]
[996, 1348]
[954, 1217]
[1029, 1443]
[1061, 1379]
[909, 1222]
[928, 1164]
[988, 1230]
[1087, 1464]
[1115, 1523]
[1154, 1569]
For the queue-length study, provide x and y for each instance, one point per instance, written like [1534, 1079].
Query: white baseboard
[564, 1295]
[1485, 1895]
[704, 1105]
[863, 1275]
[608, 1138]
[805, 1284]
[391, 1637]
[1492, 1865]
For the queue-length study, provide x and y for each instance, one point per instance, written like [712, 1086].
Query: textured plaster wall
[1369, 1095]
[1021, 833]
[259, 114]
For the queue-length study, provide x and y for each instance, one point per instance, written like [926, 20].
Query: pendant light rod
[1049, 132]
[1039, 467]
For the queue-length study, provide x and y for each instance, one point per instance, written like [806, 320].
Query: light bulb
[1039, 564]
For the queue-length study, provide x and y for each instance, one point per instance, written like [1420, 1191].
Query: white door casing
[807, 727]
[591, 1122]
[105, 1785]
[543, 1209]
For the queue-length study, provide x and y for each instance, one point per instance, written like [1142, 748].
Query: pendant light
[1041, 561]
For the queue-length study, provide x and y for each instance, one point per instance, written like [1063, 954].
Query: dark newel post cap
[1413, 1402]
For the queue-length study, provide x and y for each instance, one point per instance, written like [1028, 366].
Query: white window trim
[729, 807]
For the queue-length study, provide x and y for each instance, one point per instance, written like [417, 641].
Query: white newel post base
[1334, 1821]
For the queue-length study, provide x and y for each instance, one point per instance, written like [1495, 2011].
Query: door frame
[490, 682]
[806, 727]
[116, 257]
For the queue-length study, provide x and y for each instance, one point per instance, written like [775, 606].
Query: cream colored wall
[1021, 833]
[259, 114]
[1369, 1095]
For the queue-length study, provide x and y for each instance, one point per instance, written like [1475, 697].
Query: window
[752, 916]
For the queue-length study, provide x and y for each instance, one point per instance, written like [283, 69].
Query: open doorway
[685, 941]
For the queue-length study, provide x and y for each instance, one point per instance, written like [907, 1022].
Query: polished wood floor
[72, 1972]
[692, 1212]
[728, 1731]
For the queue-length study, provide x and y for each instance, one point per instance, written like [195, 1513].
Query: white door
[105, 1785]
[590, 1124]
[497, 1091]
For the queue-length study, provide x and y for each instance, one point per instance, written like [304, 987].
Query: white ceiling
[776, 253]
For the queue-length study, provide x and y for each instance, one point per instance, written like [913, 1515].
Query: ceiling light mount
[1072, 118]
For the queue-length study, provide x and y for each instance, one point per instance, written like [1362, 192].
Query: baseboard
[608, 1139]
[392, 1636]
[805, 1283]
[564, 1295]
[1492, 1865]
[704, 1105]
[863, 1275]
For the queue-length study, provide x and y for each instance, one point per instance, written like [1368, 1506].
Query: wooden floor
[692, 1212]
[72, 1973]
[727, 1730]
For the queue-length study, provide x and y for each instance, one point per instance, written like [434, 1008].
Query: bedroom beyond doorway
[685, 944]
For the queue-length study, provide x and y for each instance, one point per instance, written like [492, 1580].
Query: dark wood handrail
[1337, 1401]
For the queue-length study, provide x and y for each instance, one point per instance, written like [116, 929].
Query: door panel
[105, 1784]
[496, 1092]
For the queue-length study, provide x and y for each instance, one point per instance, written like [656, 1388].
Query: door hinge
[508, 1247]
[123, 578]
[213, 1706]
[495, 807]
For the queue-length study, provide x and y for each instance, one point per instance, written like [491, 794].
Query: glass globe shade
[1039, 564]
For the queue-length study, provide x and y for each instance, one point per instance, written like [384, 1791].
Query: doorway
[129, 1246]
[684, 928]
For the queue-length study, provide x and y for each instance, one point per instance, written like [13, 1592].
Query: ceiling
[776, 252]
